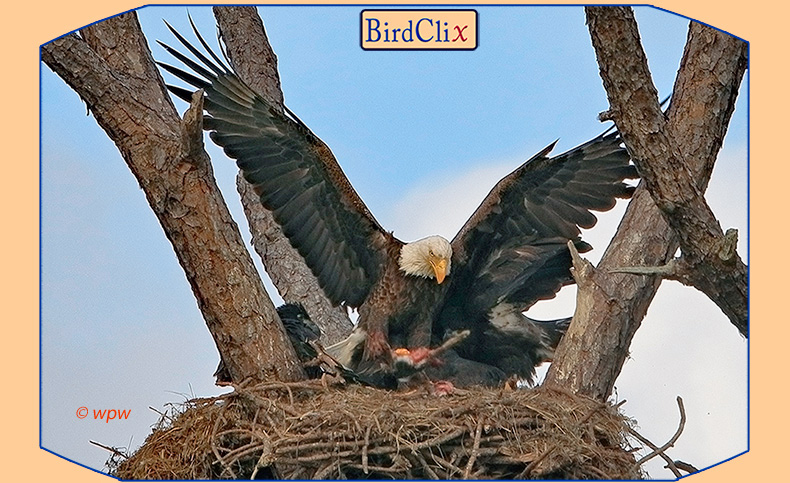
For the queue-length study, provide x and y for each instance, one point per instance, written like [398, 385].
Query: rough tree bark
[705, 91]
[610, 306]
[112, 70]
[254, 60]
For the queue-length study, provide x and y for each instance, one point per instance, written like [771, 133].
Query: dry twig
[661, 451]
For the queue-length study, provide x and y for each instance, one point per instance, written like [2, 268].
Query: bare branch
[668, 271]
[590, 356]
[112, 449]
[668, 444]
[110, 67]
[254, 60]
[656, 143]
[470, 463]
[682, 465]
[192, 130]
[670, 464]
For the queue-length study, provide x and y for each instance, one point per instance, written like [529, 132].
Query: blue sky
[423, 136]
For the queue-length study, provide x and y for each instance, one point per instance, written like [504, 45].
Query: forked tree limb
[254, 60]
[656, 451]
[590, 356]
[112, 70]
[668, 149]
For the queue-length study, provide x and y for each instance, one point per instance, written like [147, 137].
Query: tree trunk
[666, 149]
[255, 62]
[112, 70]
[611, 306]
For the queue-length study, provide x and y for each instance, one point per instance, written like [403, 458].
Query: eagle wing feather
[294, 173]
[513, 247]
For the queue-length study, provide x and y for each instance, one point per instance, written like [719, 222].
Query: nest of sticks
[308, 431]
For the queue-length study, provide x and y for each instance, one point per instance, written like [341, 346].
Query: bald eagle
[510, 253]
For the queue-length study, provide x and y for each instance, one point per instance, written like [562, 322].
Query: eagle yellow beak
[439, 268]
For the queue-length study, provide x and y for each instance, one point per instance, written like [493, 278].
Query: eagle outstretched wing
[513, 250]
[514, 247]
[294, 173]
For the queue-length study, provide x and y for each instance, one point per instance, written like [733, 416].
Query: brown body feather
[418, 300]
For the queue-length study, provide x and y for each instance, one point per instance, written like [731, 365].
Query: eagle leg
[376, 345]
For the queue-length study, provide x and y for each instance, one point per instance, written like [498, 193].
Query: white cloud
[441, 205]
[685, 346]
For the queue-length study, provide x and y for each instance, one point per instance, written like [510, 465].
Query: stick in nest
[475, 448]
[661, 451]
[534, 463]
[343, 433]
[115, 451]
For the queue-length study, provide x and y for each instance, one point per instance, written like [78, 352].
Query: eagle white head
[428, 257]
